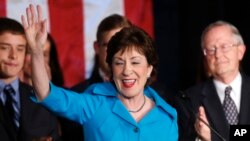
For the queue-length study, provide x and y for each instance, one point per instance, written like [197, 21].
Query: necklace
[135, 111]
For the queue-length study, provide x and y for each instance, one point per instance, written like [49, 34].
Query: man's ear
[241, 51]
[96, 47]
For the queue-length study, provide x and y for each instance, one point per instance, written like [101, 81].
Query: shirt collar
[14, 84]
[104, 77]
[235, 84]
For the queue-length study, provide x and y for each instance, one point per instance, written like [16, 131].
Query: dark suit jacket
[35, 121]
[205, 94]
[95, 78]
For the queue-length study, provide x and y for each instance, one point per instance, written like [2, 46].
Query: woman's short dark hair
[133, 38]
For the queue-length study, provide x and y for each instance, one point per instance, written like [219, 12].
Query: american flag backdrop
[73, 25]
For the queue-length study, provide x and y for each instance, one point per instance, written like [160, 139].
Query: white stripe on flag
[17, 8]
[94, 12]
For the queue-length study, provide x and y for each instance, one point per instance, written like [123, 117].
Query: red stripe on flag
[3, 8]
[66, 22]
[140, 12]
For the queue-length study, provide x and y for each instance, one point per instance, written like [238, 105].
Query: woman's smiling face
[130, 72]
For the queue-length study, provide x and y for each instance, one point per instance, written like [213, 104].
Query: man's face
[101, 47]
[12, 53]
[224, 62]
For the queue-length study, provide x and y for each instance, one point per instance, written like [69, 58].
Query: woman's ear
[150, 69]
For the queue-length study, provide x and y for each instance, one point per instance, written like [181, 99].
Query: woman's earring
[148, 76]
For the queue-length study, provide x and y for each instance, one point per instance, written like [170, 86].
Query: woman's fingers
[28, 14]
[40, 13]
[33, 14]
[24, 22]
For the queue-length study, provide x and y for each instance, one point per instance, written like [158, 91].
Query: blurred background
[175, 25]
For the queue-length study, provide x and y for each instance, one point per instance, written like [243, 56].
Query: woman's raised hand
[35, 28]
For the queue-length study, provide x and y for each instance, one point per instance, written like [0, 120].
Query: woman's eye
[135, 63]
[118, 63]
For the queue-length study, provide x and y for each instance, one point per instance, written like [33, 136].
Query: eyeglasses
[224, 48]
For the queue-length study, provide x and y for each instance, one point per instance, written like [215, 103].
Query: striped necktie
[11, 104]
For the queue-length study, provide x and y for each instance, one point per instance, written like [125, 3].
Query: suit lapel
[1, 112]
[245, 104]
[25, 103]
[214, 110]
[6, 122]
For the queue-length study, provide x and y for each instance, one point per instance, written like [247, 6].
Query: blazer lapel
[120, 110]
[214, 110]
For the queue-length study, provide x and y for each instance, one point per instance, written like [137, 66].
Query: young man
[106, 29]
[20, 119]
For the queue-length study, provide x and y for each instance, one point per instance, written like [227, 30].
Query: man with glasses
[223, 100]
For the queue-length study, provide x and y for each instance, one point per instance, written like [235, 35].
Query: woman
[124, 109]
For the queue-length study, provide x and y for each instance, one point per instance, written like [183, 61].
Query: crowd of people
[122, 100]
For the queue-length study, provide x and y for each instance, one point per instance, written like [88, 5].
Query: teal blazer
[105, 118]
